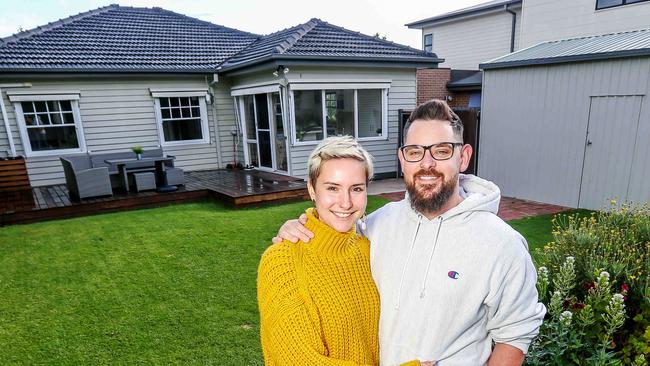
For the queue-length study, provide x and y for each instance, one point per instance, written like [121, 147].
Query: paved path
[509, 209]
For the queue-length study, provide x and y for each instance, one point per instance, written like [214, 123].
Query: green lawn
[537, 229]
[172, 285]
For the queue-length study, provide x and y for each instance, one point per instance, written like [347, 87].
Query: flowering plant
[577, 331]
[599, 266]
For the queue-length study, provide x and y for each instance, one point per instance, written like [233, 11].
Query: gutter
[10, 136]
[422, 61]
[458, 15]
[514, 24]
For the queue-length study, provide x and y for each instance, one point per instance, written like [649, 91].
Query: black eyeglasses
[439, 152]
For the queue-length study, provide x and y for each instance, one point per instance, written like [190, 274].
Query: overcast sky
[386, 17]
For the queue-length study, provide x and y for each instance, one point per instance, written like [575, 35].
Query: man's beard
[418, 197]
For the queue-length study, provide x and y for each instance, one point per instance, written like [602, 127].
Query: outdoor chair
[83, 180]
[175, 176]
[144, 181]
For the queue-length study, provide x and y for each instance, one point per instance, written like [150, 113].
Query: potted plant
[138, 150]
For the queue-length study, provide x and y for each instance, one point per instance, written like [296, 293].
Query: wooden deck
[235, 188]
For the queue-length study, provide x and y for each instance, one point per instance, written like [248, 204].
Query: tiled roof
[123, 39]
[126, 39]
[481, 8]
[319, 40]
[614, 45]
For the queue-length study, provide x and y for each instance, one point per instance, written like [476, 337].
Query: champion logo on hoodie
[453, 275]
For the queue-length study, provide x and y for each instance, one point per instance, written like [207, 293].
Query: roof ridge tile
[385, 41]
[300, 32]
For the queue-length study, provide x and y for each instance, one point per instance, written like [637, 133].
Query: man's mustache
[429, 172]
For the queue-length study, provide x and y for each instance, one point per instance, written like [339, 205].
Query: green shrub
[594, 282]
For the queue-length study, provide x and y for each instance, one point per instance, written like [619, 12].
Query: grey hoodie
[452, 285]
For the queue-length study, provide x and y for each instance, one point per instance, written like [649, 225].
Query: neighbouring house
[564, 118]
[115, 77]
[476, 34]
[465, 38]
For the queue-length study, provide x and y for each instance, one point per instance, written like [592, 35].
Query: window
[49, 127]
[340, 112]
[308, 113]
[428, 42]
[604, 4]
[183, 119]
[333, 112]
[369, 113]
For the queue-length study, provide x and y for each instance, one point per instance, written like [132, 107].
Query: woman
[318, 302]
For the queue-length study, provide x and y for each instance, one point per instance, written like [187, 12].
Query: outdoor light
[280, 68]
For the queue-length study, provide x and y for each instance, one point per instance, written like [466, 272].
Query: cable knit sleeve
[289, 335]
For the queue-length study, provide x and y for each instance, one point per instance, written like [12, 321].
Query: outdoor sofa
[89, 175]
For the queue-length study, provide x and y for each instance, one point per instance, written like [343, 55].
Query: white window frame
[205, 130]
[384, 87]
[72, 97]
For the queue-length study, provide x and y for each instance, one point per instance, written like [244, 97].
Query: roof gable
[317, 39]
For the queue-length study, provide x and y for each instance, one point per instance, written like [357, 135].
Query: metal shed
[568, 122]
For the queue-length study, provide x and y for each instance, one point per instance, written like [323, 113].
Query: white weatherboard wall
[118, 113]
[534, 132]
[401, 95]
[465, 43]
[547, 20]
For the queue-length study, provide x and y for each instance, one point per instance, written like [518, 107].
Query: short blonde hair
[337, 147]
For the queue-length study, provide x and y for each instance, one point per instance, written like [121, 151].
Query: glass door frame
[272, 130]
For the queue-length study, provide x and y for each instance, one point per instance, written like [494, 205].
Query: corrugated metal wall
[534, 123]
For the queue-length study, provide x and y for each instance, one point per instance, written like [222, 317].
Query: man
[452, 277]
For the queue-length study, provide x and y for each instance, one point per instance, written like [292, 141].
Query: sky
[257, 16]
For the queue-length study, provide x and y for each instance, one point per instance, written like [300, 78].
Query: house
[466, 37]
[115, 77]
[476, 34]
[564, 118]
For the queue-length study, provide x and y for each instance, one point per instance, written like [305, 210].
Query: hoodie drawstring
[408, 259]
[426, 273]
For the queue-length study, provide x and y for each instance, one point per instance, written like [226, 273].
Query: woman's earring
[363, 222]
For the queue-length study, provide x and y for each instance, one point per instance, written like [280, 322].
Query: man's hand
[506, 355]
[294, 230]
[428, 363]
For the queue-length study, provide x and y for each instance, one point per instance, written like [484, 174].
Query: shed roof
[601, 47]
[319, 40]
[478, 9]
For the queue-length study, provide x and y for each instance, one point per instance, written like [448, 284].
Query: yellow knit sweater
[318, 302]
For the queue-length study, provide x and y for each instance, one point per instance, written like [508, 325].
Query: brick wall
[432, 83]
[459, 99]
